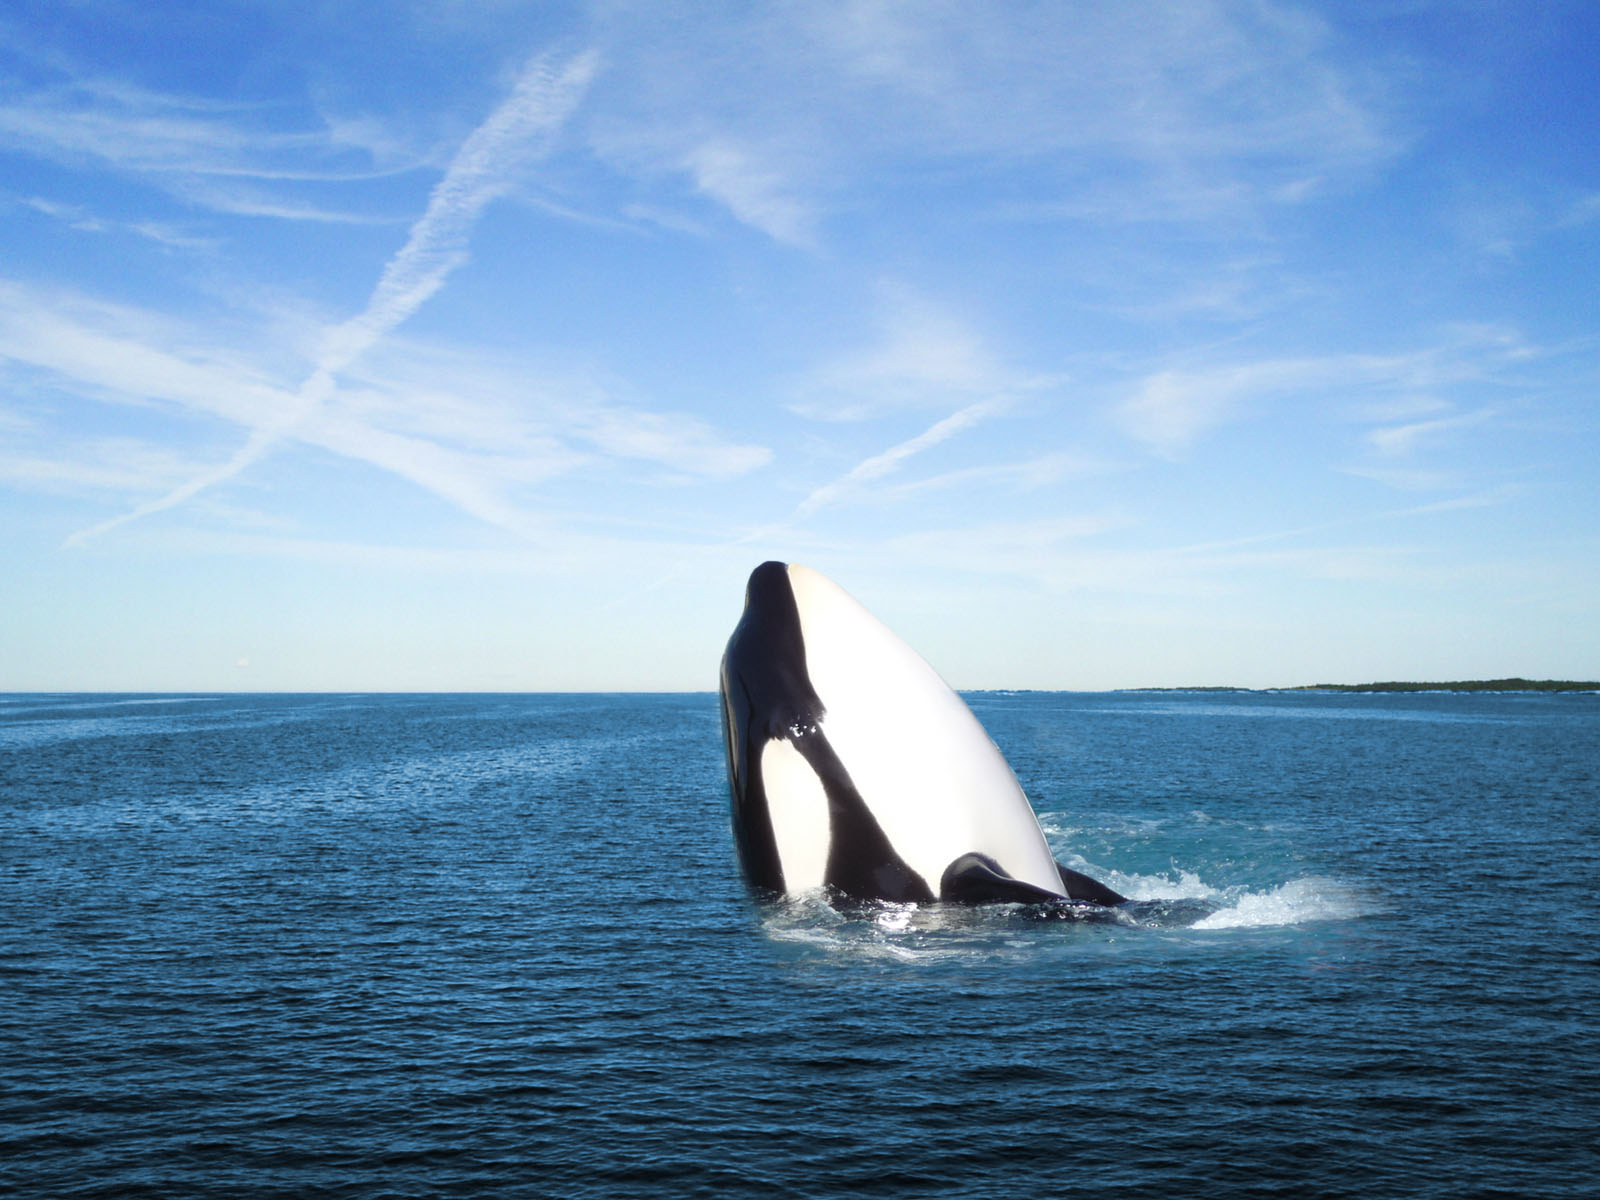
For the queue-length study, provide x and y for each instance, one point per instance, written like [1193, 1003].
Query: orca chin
[853, 767]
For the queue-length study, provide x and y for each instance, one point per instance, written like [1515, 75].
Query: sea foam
[1314, 898]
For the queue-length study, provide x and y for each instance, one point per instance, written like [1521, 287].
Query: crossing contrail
[483, 169]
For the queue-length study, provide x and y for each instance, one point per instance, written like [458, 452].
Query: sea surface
[498, 946]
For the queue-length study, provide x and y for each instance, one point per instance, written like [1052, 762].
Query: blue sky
[489, 345]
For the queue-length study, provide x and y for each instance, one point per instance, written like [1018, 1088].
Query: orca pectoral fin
[978, 879]
[1081, 887]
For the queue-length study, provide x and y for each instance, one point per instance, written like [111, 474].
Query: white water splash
[1186, 886]
[1297, 902]
[1170, 901]
[1314, 898]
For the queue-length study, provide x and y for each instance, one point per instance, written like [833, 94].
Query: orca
[852, 766]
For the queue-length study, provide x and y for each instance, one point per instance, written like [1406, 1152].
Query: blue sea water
[485, 946]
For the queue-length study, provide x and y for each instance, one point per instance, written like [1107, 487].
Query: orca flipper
[978, 879]
[1081, 887]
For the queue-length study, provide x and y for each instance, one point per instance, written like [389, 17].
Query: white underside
[925, 767]
[799, 810]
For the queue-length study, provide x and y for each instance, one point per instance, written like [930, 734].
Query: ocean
[498, 946]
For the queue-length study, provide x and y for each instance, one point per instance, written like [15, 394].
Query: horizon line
[1513, 683]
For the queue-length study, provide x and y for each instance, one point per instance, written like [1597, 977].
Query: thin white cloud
[1404, 407]
[1006, 547]
[1143, 111]
[471, 399]
[1583, 211]
[879, 465]
[865, 472]
[80, 218]
[137, 130]
[1395, 440]
[922, 356]
[753, 190]
[469, 431]
[473, 483]
[1023, 475]
[243, 200]
[125, 354]
[1064, 555]
[1407, 479]
[257, 444]
[675, 441]
[1171, 87]
[1492, 498]
[118, 466]
[1169, 411]
[484, 169]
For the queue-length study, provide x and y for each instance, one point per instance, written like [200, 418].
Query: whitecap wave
[1179, 885]
[1314, 898]
[1176, 900]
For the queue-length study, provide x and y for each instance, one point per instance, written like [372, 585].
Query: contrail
[483, 169]
[876, 467]
[881, 464]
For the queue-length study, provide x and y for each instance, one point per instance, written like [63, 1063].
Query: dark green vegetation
[1463, 685]
[1460, 685]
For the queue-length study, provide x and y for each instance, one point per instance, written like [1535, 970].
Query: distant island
[1459, 685]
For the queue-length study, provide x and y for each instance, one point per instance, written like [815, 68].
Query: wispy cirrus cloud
[109, 353]
[114, 466]
[753, 189]
[1074, 554]
[922, 356]
[1392, 440]
[84, 220]
[479, 401]
[1133, 111]
[887, 461]
[475, 434]
[1020, 475]
[1406, 454]
[1172, 88]
[131, 355]
[1170, 410]
[136, 130]
[866, 472]
[484, 168]
[245, 199]
[1583, 211]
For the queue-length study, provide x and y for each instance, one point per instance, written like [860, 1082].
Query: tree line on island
[1458, 685]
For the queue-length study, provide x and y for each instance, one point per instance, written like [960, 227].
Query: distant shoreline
[1463, 685]
[1459, 685]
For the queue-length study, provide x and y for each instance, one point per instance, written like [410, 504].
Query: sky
[489, 346]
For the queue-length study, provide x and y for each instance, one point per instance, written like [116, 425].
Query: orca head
[767, 654]
[853, 766]
[769, 709]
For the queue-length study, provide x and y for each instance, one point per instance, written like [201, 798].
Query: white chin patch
[799, 810]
